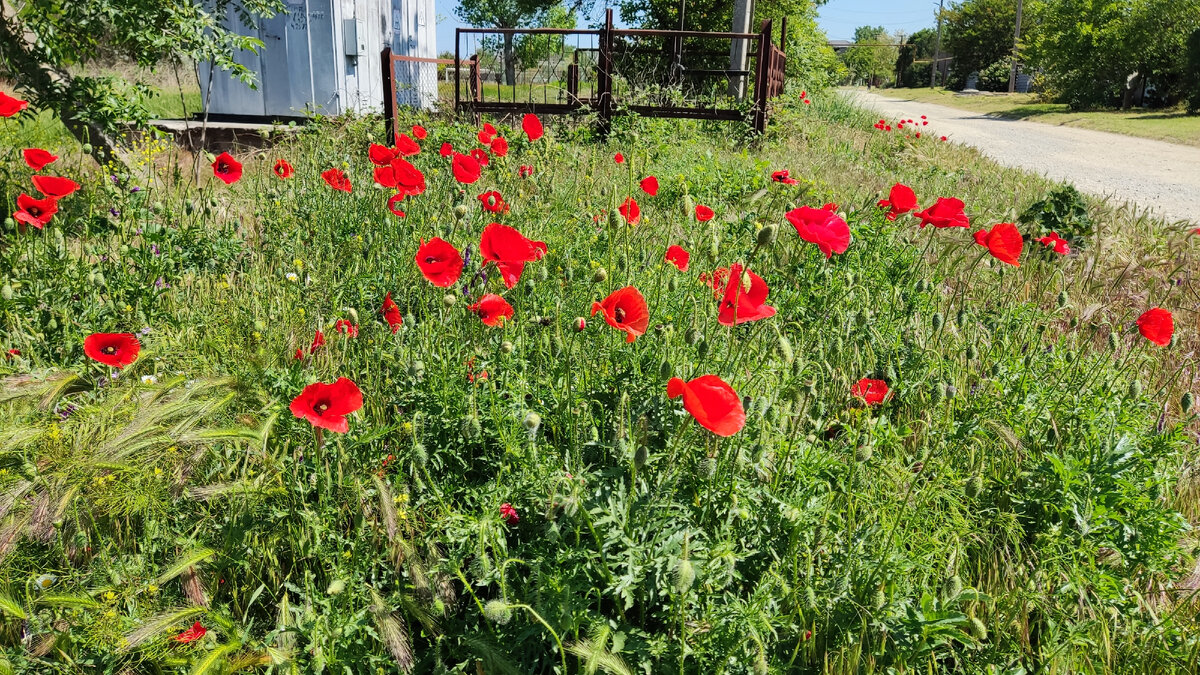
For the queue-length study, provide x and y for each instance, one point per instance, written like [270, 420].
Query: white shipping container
[323, 57]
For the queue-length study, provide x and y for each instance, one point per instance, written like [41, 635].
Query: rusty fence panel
[395, 87]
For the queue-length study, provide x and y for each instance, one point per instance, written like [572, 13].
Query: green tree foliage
[510, 14]
[1192, 76]
[532, 49]
[45, 45]
[918, 48]
[1097, 52]
[876, 59]
[979, 34]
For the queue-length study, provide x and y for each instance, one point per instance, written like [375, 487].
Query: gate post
[761, 70]
[389, 92]
[476, 88]
[604, 74]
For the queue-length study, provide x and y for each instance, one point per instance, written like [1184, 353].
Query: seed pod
[978, 629]
[702, 349]
[1186, 402]
[640, 456]
[449, 299]
[506, 347]
[665, 370]
[974, 485]
[936, 321]
[532, 421]
[972, 353]
[460, 212]
[863, 453]
[673, 284]
[879, 599]
[767, 235]
[692, 336]
[961, 318]
[1062, 299]
[954, 587]
[497, 611]
[1135, 389]
[600, 275]
[685, 575]
[471, 428]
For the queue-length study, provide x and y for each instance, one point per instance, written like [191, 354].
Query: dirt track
[1161, 176]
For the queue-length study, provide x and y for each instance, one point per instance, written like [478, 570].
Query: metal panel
[325, 55]
[274, 81]
[299, 80]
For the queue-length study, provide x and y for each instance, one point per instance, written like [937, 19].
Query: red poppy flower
[54, 186]
[483, 137]
[492, 309]
[944, 139]
[900, 200]
[283, 169]
[317, 343]
[466, 168]
[392, 204]
[37, 159]
[326, 405]
[630, 210]
[440, 263]
[227, 168]
[35, 212]
[508, 514]
[1157, 325]
[391, 313]
[532, 126]
[872, 392]
[822, 227]
[499, 146]
[493, 202]
[714, 404]
[745, 298]
[946, 212]
[525, 171]
[1004, 242]
[580, 324]
[716, 280]
[619, 158]
[678, 257]
[650, 186]
[703, 213]
[510, 250]
[381, 155]
[419, 132]
[1056, 242]
[625, 309]
[489, 129]
[782, 177]
[10, 106]
[12, 352]
[480, 155]
[192, 634]
[337, 180]
[402, 175]
[446, 150]
[406, 146]
[112, 349]
[344, 327]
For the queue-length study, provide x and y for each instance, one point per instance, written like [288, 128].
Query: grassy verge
[1019, 503]
[1172, 125]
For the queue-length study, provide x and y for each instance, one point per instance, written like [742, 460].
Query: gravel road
[1162, 176]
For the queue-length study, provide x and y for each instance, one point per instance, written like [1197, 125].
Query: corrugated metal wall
[322, 56]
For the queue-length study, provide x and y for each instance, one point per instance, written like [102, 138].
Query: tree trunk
[510, 66]
[18, 49]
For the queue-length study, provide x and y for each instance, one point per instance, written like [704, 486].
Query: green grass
[1172, 125]
[1020, 503]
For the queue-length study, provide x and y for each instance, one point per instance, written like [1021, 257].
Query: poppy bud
[692, 336]
[1051, 435]
[569, 273]
[1135, 389]
[936, 321]
[410, 320]
[673, 284]
[336, 587]
[557, 347]
[506, 347]
[613, 221]
[6, 291]
[702, 349]
[810, 387]
[1187, 402]
[600, 275]
[938, 393]
[685, 575]
[974, 485]
[460, 211]
[532, 421]
[52, 324]
[972, 353]
[784, 347]
[863, 453]
[954, 587]
[449, 299]
[879, 599]
[9, 223]
[416, 368]
[767, 235]
[580, 324]
[922, 286]
[951, 390]
[995, 370]
[529, 285]
[1170, 345]
[714, 249]
[87, 148]
[1062, 299]
[498, 611]
[978, 629]
[961, 318]
[1112, 341]
[640, 456]
[810, 599]
[471, 428]
[1074, 322]
[760, 664]
[665, 370]
[746, 281]
[420, 456]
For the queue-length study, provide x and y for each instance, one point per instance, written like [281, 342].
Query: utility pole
[1012, 73]
[937, 50]
[739, 49]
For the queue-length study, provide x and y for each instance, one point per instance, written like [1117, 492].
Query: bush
[1191, 83]
[1063, 211]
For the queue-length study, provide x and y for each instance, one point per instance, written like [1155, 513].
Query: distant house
[323, 57]
[840, 46]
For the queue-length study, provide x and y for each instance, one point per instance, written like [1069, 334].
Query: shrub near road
[270, 423]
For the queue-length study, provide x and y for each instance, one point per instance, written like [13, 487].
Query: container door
[326, 59]
[276, 83]
[299, 59]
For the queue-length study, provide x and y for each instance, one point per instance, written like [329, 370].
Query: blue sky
[838, 18]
